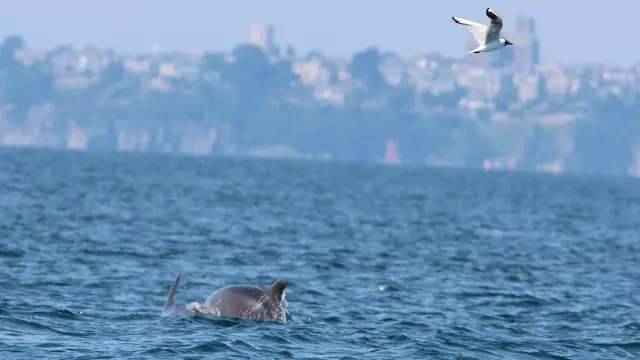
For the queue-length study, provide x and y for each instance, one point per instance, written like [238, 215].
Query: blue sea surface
[382, 262]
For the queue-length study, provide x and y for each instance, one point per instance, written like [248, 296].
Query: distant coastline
[508, 113]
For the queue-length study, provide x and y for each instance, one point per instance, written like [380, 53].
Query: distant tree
[212, 68]
[365, 67]
[215, 62]
[113, 73]
[154, 68]
[314, 54]
[27, 86]
[290, 53]
[543, 94]
[255, 78]
[283, 76]
[7, 52]
[401, 98]
[604, 140]
[12, 43]
[61, 49]
[507, 94]
[450, 99]
[275, 51]
[250, 73]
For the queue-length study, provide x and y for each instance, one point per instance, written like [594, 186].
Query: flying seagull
[488, 38]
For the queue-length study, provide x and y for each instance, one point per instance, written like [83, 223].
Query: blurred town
[502, 110]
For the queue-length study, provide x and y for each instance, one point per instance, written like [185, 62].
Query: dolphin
[240, 301]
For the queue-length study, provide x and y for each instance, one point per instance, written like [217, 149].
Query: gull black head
[507, 42]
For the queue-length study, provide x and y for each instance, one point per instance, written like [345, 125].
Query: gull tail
[476, 50]
[170, 305]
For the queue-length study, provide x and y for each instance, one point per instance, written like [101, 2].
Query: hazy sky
[569, 31]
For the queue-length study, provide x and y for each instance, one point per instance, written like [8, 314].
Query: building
[262, 36]
[527, 54]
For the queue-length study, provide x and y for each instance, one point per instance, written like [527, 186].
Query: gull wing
[478, 31]
[493, 31]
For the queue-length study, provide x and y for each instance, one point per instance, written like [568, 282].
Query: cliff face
[37, 129]
[40, 129]
[634, 167]
[494, 146]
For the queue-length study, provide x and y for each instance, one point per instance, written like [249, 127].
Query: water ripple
[382, 262]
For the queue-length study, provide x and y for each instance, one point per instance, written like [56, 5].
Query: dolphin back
[249, 302]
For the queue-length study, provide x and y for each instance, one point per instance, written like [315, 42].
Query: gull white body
[488, 37]
[489, 47]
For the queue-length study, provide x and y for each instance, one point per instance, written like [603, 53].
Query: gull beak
[507, 42]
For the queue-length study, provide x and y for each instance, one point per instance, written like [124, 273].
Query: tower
[262, 36]
[527, 54]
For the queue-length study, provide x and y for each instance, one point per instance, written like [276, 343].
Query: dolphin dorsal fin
[170, 304]
[277, 288]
